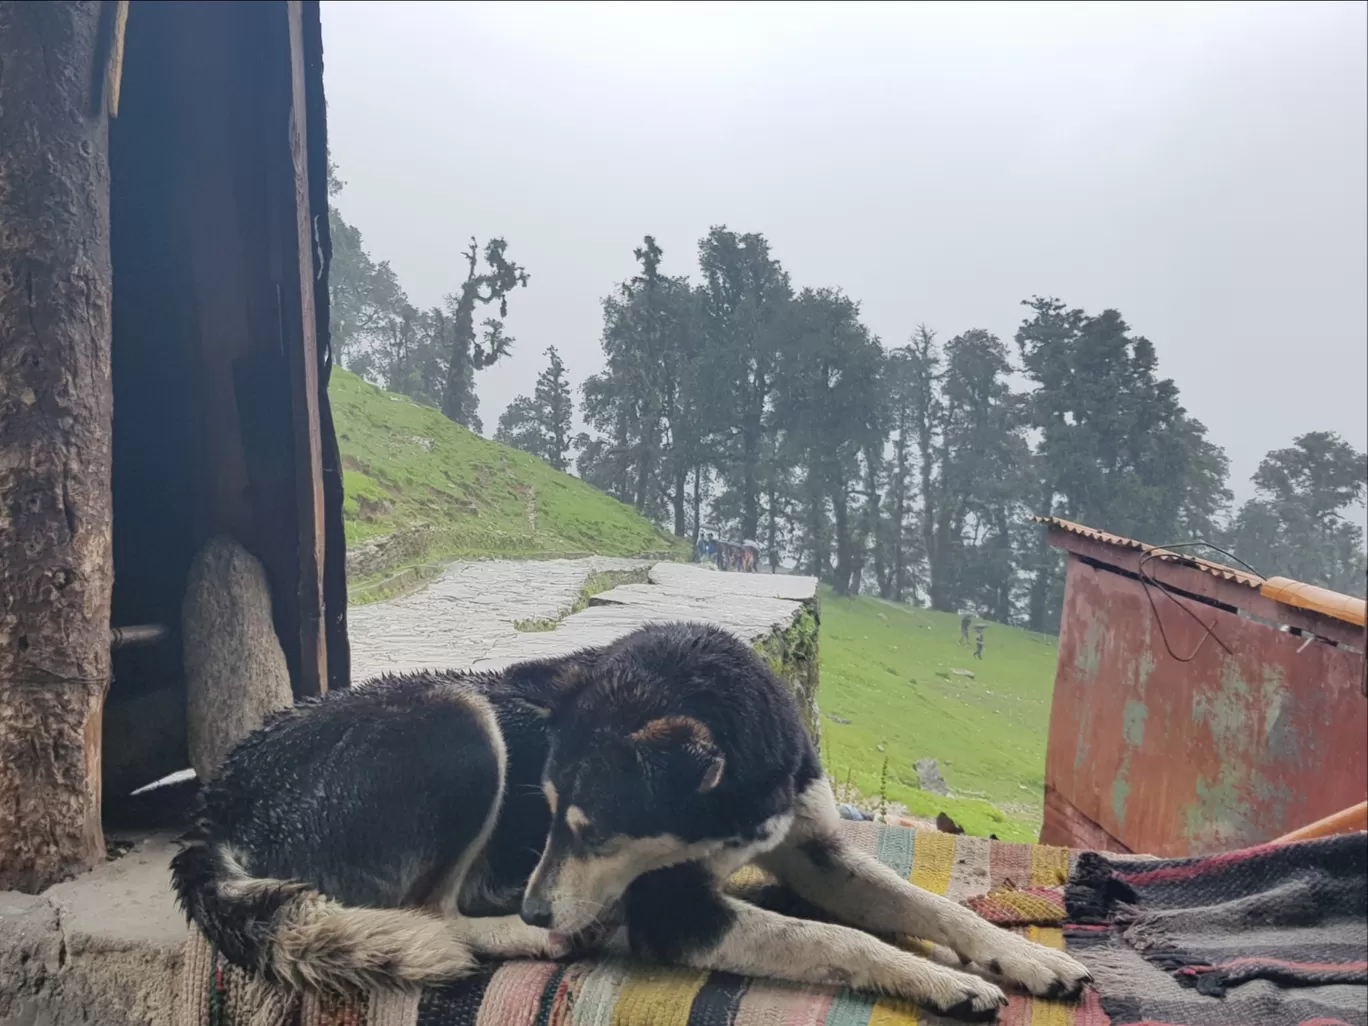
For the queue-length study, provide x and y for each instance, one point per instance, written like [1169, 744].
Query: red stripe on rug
[1206, 865]
[1323, 967]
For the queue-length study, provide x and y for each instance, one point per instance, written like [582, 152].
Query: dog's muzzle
[536, 911]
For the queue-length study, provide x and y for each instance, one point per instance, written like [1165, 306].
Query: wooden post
[303, 352]
[56, 411]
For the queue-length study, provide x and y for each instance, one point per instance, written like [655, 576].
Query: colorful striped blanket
[1018, 886]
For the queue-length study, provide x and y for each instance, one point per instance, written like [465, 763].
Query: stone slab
[689, 578]
[454, 621]
[744, 604]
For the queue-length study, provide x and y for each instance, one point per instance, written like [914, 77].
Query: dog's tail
[294, 936]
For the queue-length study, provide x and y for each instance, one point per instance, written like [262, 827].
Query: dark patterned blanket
[1270, 936]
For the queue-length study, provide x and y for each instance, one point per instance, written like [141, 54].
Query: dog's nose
[536, 913]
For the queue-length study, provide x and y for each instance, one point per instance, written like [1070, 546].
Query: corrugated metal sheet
[1219, 570]
[1345, 608]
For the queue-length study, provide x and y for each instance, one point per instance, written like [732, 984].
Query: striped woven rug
[1017, 886]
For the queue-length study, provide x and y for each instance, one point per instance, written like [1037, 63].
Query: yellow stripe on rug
[933, 861]
[1049, 866]
[658, 996]
[891, 1013]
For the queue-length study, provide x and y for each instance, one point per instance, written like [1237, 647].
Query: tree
[743, 294]
[1117, 450]
[366, 302]
[826, 387]
[465, 353]
[1295, 526]
[907, 403]
[955, 415]
[984, 459]
[646, 400]
[542, 424]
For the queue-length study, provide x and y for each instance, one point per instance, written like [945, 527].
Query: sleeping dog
[390, 834]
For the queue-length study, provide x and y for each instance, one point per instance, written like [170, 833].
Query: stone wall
[793, 655]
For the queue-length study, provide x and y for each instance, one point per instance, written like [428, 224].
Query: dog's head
[667, 746]
[622, 805]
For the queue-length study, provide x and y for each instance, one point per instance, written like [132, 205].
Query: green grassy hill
[406, 464]
[888, 670]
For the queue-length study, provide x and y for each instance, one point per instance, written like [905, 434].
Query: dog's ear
[690, 741]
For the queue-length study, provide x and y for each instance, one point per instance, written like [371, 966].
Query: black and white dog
[389, 834]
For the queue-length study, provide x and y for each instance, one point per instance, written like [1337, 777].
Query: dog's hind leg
[675, 916]
[855, 887]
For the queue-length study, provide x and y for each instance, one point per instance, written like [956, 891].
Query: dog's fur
[392, 833]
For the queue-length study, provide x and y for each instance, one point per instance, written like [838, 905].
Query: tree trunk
[772, 528]
[928, 511]
[456, 395]
[621, 459]
[697, 503]
[870, 531]
[56, 411]
[645, 469]
[1038, 597]
[752, 433]
[820, 566]
[750, 489]
[841, 522]
[1002, 611]
[900, 514]
[681, 481]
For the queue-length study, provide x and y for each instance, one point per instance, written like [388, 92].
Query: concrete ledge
[104, 948]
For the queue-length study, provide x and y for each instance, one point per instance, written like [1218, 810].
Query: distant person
[978, 641]
[965, 621]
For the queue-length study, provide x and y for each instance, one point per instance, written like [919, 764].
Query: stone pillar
[56, 409]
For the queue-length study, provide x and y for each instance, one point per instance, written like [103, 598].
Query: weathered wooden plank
[304, 387]
[335, 543]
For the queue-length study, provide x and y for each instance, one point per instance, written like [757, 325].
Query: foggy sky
[1203, 168]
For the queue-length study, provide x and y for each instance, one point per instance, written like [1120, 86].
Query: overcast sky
[1203, 168]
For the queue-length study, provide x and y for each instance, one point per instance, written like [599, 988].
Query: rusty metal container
[1194, 710]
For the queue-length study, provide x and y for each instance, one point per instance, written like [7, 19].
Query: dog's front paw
[942, 990]
[515, 939]
[559, 945]
[1044, 972]
[970, 1000]
[582, 944]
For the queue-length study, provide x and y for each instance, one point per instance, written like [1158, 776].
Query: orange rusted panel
[1176, 758]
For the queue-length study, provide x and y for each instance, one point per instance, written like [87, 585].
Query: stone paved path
[457, 620]
[751, 606]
